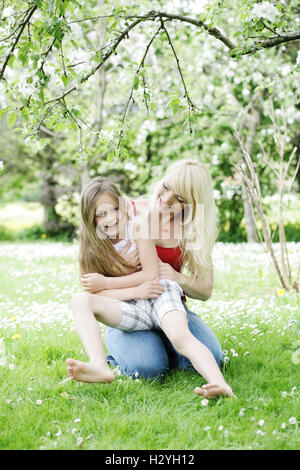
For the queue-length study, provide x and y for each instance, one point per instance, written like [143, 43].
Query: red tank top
[172, 256]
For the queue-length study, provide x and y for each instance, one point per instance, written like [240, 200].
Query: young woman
[150, 353]
[104, 216]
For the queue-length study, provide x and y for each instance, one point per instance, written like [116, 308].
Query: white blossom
[265, 10]
[8, 11]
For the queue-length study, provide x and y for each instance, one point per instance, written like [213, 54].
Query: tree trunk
[52, 221]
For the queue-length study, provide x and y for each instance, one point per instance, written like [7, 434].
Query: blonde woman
[187, 184]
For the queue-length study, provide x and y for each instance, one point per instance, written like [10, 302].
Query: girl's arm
[195, 288]
[149, 262]
[147, 290]
[94, 282]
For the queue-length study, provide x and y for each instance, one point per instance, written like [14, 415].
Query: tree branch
[267, 43]
[23, 25]
[190, 104]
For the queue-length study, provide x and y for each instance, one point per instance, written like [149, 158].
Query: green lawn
[40, 408]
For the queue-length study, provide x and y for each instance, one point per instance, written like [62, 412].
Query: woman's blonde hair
[191, 180]
[96, 251]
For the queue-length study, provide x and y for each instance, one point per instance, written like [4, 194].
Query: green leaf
[65, 80]
[11, 60]
[136, 82]
[11, 119]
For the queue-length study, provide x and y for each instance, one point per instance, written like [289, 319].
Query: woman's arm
[195, 288]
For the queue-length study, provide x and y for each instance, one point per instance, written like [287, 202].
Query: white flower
[242, 411]
[260, 433]
[76, 30]
[77, 420]
[11, 366]
[1, 165]
[7, 12]
[217, 194]
[204, 402]
[284, 394]
[220, 428]
[283, 425]
[215, 160]
[39, 402]
[261, 422]
[79, 441]
[292, 420]
[130, 166]
[285, 69]
[207, 428]
[265, 10]
[298, 58]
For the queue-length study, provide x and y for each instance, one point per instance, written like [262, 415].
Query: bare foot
[89, 372]
[214, 390]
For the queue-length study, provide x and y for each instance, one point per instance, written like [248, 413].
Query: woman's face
[108, 216]
[169, 201]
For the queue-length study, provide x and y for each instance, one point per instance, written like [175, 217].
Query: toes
[208, 386]
[71, 362]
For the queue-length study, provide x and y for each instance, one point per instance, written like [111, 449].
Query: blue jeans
[149, 352]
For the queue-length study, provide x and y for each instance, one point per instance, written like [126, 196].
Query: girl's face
[109, 218]
[169, 201]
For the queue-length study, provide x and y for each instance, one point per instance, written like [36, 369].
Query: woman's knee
[141, 353]
[145, 369]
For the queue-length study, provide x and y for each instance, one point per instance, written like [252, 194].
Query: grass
[40, 408]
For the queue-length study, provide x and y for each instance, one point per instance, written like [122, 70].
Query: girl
[104, 227]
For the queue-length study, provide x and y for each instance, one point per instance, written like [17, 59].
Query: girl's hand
[93, 282]
[167, 272]
[149, 290]
[131, 258]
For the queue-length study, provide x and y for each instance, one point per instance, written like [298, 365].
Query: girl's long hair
[96, 251]
[192, 181]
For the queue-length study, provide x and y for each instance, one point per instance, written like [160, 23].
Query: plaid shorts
[147, 314]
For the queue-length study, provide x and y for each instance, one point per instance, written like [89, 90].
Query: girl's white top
[129, 236]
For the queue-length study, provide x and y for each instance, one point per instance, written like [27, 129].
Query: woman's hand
[132, 258]
[93, 282]
[167, 272]
[149, 290]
